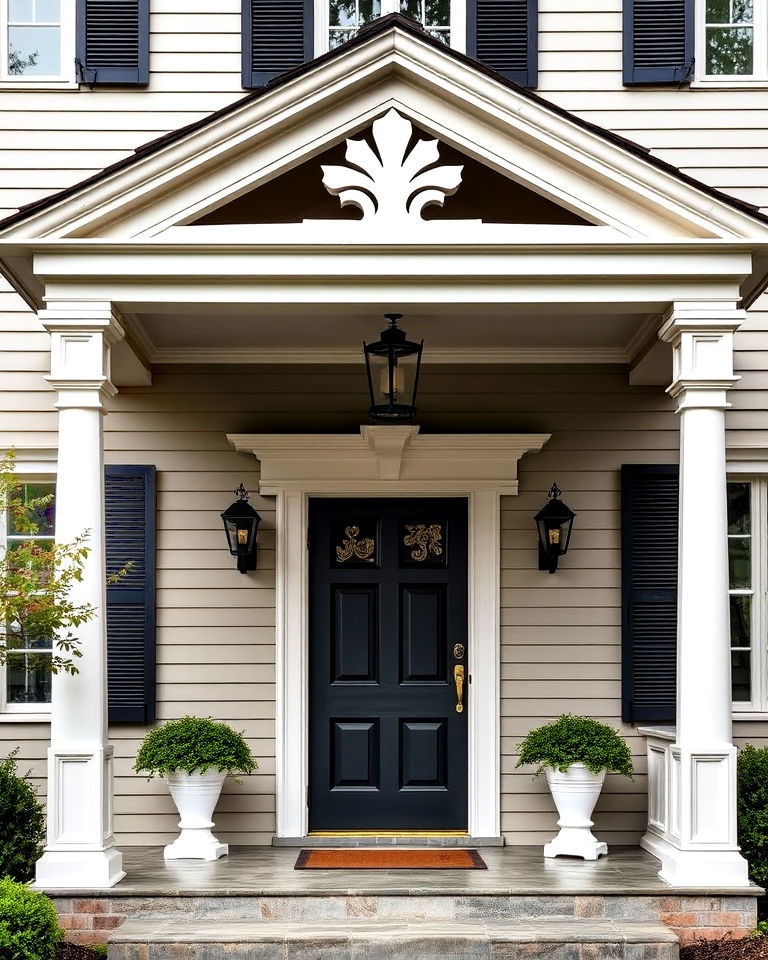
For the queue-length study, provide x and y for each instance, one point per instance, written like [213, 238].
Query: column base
[702, 869]
[82, 869]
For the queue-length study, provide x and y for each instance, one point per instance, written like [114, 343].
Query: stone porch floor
[258, 890]
[512, 871]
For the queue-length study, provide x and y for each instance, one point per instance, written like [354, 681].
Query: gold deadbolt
[458, 651]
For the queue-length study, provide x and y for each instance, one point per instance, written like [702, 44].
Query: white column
[698, 845]
[80, 850]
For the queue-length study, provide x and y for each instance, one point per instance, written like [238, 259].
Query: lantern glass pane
[231, 527]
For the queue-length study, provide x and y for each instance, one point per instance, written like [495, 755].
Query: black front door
[388, 677]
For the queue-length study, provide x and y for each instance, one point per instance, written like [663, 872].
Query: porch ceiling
[462, 331]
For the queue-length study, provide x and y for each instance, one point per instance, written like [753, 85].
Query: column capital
[701, 336]
[82, 335]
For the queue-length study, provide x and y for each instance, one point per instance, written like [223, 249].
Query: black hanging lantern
[241, 524]
[554, 522]
[393, 365]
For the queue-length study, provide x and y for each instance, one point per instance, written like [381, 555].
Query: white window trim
[759, 78]
[458, 23]
[67, 80]
[30, 465]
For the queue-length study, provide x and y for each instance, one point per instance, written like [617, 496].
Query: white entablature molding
[401, 456]
[388, 461]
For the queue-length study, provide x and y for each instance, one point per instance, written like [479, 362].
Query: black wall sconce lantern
[241, 524]
[554, 522]
[393, 364]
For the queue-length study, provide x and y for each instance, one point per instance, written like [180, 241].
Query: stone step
[551, 938]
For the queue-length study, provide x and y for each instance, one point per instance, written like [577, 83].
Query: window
[732, 41]
[748, 582]
[337, 20]
[37, 41]
[26, 684]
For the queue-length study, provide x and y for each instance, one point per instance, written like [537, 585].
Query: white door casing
[393, 461]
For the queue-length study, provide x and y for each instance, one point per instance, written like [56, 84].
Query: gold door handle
[458, 679]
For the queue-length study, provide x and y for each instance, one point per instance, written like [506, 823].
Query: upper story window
[732, 41]
[26, 677]
[748, 573]
[338, 20]
[37, 41]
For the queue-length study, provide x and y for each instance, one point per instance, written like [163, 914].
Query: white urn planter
[575, 793]
[195, 796]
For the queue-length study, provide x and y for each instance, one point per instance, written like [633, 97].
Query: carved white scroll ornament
[395, 186]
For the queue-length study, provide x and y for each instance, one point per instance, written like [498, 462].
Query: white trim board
[388, 461]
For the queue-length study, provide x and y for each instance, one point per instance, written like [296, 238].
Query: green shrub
[29, 927]
[752, 810]
[100, 949]
[22, 823]
[570, 740]
[194, 745]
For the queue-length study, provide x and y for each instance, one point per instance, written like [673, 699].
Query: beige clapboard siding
[560, 635]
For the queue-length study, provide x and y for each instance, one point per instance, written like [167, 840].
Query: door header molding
[383, 456]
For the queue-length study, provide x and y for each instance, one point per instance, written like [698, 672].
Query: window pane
[738, 508]
[47, 11]
[369, 10]
[437, 12]
[20, 10]
[342, 13]
[729, 51]
[336, 37]
[411, 8]
[34, 51]
[741, 11]
[740, 676]
[739, 563]
[741, 629]
[28, 678]
[444, 36]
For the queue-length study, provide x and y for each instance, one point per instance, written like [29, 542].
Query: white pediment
[393, 77]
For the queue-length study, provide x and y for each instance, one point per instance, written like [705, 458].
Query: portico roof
[169, 238]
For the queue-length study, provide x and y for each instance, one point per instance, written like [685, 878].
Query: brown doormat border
[397, 859]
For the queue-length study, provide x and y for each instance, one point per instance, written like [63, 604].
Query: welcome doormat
[403, 859]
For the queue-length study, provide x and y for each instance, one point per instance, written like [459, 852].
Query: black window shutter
[649, 517]
[129, 503]
[504, 35]
[658, 41]
[277, 36]
[113, 42]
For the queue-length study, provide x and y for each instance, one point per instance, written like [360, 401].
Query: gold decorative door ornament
[353, 548]
[424, 540]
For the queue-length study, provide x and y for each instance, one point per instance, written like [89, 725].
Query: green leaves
[22, 823]
[193, 744]
[752, 810]
[37, 577]
[572, 739]
[29, 926]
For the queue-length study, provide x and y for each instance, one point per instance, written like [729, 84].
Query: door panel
[355, 633]
[388, 624]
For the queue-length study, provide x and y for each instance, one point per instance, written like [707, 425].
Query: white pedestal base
[60, 868]
[195, 796]
[195, 845]
[575, 793]
[576, 842]
[703, 869]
